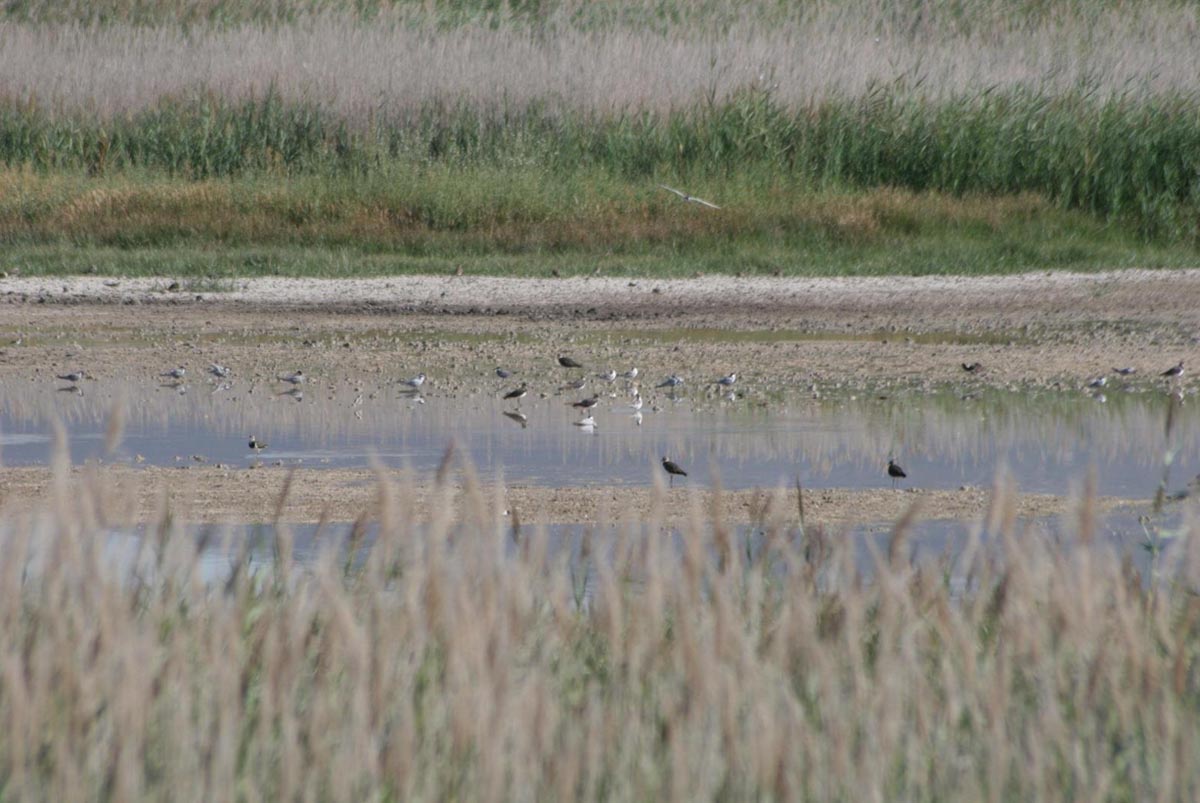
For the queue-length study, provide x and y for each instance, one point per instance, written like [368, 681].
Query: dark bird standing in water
[1174, 370]
[895, 472]
[516, 395]
[586, 404]
[673, 470]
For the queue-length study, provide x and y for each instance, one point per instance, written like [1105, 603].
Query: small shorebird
[972, 367]
[1098, 382]
[1174, 370]
[500, 372]
[895, 472]
[74, 376]
[516, 394]
[576, 385]
[726, 381]
[567, 362]
[174, 373]
[631, 373]
[586, 404]
[415, 382]
[637, 401]
[673, 470]
[1124, 371]
[256, 445]
[296, 378]
[218, 370]
[608, 376]
[672, 381]
[691, 199]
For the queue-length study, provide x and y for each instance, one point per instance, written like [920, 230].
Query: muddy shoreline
[802, 338]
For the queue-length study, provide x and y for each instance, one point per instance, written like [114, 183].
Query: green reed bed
[1124, 156]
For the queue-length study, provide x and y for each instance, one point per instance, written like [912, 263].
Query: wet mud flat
[832, 381]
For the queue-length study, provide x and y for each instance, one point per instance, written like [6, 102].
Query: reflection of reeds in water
[455, 664]
[819, 438]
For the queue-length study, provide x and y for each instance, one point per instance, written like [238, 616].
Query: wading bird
[631, 373]
[174, 373]
[691, 199]
[586, 404]
[726, 381]
[567, 362]
[672, 381]
[256, 445]
[74, 376]
[516, 394]
[218, 370]
[972, 367]
[1174, 370]
[296, 378]
[895, 472]
[500, 372]
[1125, 371]
[415, 382]
[608, 376]
[673, 470]
[1098, 382]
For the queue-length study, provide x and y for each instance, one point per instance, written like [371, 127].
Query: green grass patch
[529, 223]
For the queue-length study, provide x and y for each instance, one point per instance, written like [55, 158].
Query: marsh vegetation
[851, 136]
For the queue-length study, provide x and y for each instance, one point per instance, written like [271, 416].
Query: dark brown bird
[567, 362]
[1174, 370]
[586, 404]
[673, 470]
[895, 472]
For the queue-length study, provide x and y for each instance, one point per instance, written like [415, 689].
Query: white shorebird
[174, 373]
[219, 370]
[296, 378]
[608, 376]
[415, 382]
[691, 199]
[726, 381]
[1098, 382]
[74, 376]
[672, 381]
[632, 373]
[637, 401]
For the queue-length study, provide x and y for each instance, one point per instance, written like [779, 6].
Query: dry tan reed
[397, 63]
[463, 659]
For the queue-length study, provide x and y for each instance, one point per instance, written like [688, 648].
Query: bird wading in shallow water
[673, 470]
[1174, 371]
[516, 394]
[895, 472]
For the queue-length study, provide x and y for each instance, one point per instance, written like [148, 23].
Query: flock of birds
[587, 405]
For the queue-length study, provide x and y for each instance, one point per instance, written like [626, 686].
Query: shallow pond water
[1048, 440]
